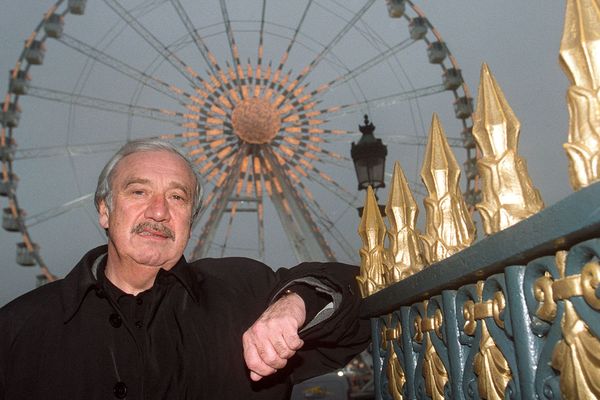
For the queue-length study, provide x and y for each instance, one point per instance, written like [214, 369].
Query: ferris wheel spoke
[205, 132]
[417, 140]
[384, 101]
[125, 69]
[248, 180]
[367, 65]
[309, 171]
[341, 162]
[59, 210]
[107, 105]
[206, 202]
[254, 75]
[215, 168]
[330, 227]
[206, 54]
[219, 206]
[237, 201]
[313, 152]
[186, 71]
[235, 56]
[321, 216]
[285, 55]
[396, 138]
[325, 51]
[313, 133]
[310, 152]
[261, 35]
[333, 188]
[258, 190]
[210, 164]
[284, 195]
[209, 151]
[307, 102]
[68, 150]
[232, 212]
[313, 136]
[285, 218]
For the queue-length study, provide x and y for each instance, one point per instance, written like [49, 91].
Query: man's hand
[273, 338]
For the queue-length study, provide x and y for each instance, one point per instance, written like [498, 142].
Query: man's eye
[178, 197]
[138, 192]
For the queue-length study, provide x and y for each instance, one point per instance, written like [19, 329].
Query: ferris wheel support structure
[307, 240]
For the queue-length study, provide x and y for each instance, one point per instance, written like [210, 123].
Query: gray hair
[104, 190]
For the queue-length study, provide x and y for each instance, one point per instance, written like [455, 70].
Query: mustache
[141, 227]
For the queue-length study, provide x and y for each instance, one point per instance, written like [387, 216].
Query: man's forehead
[126, 167]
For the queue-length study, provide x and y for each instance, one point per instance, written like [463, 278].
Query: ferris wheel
[265, 97]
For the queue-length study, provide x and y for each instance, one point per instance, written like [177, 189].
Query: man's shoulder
[42, 302]
[238, 274]
[228, 265]
[32, 309]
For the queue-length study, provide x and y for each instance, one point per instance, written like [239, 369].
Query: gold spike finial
[404, 254]
[580, 43]
[580, 59]
[449, 227]
[372, 233]
[508, 193]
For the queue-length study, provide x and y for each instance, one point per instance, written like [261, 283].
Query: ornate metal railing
[515, 315]
[527, 329]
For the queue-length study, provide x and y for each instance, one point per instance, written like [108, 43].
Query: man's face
[149, 221]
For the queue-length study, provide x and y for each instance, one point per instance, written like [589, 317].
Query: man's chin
[151, 262]
[152, 256]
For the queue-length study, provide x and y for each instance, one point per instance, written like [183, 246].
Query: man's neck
[130, 278]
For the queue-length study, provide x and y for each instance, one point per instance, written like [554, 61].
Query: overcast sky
[519, 41]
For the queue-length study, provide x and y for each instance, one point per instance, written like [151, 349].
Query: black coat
[71, 339]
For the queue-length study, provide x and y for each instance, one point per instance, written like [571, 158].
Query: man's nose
[158, 209]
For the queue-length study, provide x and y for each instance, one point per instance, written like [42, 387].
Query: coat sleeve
[329, 344]
[3, 355]
[334, 341]
[8, 322]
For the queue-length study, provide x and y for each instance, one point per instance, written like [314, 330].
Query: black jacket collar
[82, 279]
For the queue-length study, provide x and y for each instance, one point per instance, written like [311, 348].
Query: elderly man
[135, 320]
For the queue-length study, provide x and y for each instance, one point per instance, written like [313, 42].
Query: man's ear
[103, 214]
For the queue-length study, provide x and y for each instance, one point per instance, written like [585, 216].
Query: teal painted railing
[430, 330]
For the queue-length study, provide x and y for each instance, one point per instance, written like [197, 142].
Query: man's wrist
[314, 300]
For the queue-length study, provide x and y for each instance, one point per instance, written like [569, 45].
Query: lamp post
[368, 156]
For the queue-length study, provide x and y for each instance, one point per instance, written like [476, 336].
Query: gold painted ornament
[490, 366]
[577, 358]
[580, 60]
[372, 233]
[404, 251]
[449, 226]
[508, 195]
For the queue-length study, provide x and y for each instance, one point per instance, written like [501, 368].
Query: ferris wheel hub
[255, 120]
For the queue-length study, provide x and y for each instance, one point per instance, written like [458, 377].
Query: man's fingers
[293, 342]
[283, 349]
[255, 377]
[270, 355]
[258, 368]
[273, 338]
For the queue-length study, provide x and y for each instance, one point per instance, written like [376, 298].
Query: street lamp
[368, 156]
